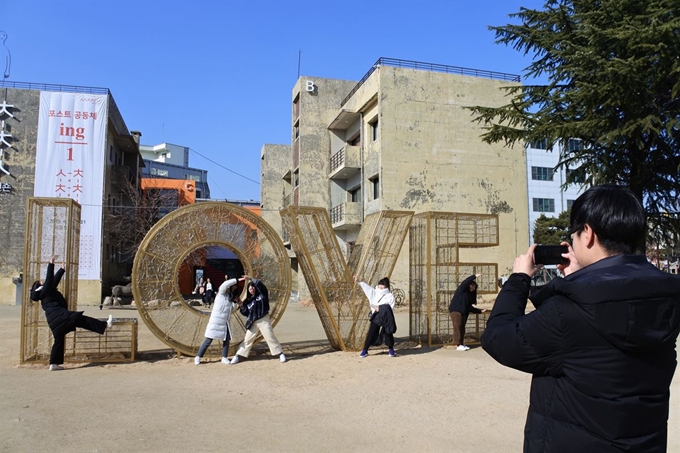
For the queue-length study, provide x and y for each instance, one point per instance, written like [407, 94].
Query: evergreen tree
[551, 230]
[613, 80]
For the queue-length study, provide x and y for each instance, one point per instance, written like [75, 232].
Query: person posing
[218, 325]
[601, 342]
[460, 308]
[256, 310]
[60, 319]
[208, 293]
[381, 301]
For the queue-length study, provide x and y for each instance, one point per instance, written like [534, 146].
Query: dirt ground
[424, 400]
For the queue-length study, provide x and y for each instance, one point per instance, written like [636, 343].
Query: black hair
[385, 281]
[615, 215]
[35, 296]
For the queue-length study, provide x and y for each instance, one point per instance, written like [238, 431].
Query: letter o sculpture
[166, 246]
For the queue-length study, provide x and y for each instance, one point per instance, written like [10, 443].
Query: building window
[374, 129]
[544, 205]
[574, 144]
[542, 173]
[296, 178]
[570, 203]
[540, 144]
[355, 195]
[192, 177]
[577, 179]
[375, 185]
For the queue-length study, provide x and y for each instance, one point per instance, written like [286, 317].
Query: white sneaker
[56, 367]
[109, 322]
[462, 347]
[226, 361]
[234, 360]
[282, 357]
[197, 360]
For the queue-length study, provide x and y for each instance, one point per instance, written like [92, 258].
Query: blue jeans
[208, 342]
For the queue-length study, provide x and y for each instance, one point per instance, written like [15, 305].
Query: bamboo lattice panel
[156, 268]
[342, 305]
[435, 240]
[52, 228]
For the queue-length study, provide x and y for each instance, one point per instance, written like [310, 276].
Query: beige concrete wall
[275, 161]
[432, 157]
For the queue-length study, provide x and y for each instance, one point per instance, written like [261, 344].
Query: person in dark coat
[60, 319]
[601, 342]
[460, 308]
[256, 310]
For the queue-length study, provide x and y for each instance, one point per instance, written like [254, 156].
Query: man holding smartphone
[601, 343]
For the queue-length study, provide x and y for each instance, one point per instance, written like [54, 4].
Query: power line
[222, 166]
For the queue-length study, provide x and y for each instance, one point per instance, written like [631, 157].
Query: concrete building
[117, 160]
[545, 184]
[166, 160]
[399, 139]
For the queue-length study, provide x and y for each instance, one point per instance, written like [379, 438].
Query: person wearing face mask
[256, 310]
[381, 301]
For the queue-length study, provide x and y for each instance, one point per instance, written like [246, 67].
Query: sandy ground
[424, 400]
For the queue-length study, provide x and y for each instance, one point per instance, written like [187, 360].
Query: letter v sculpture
[341, 304]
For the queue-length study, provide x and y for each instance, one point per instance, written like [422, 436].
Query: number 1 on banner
[70, 154]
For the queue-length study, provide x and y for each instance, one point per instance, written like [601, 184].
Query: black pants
[84, 322]
[373, 332]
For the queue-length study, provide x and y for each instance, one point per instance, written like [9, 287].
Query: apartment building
[168, 161]
[546, 194]
[401, 138]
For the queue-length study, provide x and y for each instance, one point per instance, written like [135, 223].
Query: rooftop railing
[433, 67]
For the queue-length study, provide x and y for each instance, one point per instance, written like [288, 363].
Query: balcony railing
[345, 162]
[345, 215]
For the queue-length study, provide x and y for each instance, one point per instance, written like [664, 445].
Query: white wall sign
[70, 164]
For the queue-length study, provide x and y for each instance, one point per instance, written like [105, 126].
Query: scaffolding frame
[435, 271]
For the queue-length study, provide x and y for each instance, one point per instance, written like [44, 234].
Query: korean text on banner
[70, 163]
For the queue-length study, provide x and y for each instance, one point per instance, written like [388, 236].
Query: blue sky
[217, 75]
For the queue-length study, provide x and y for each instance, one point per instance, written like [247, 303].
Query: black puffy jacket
[256, 305]
[601, 348]
[59, 318]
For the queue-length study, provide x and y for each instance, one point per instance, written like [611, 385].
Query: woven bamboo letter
[341, 304]
[163, 250]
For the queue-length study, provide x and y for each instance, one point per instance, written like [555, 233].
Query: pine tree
[613, 80]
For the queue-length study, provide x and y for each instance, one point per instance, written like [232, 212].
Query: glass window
[544, 205]
[570, 203]
[374, 129]
[375, 184]
[540, 144]
[355, 195]
[542, 173]
[574, 145]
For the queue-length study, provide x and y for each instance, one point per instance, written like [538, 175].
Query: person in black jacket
[460, 307]
[256, 310]
[60, 319]
[601, 342]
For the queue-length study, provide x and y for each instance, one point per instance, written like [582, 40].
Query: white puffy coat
[218, 324]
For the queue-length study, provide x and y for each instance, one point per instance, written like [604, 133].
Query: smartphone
[550, 254]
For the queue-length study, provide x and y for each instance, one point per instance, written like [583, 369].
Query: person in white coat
[218, 324]
[381, 300]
